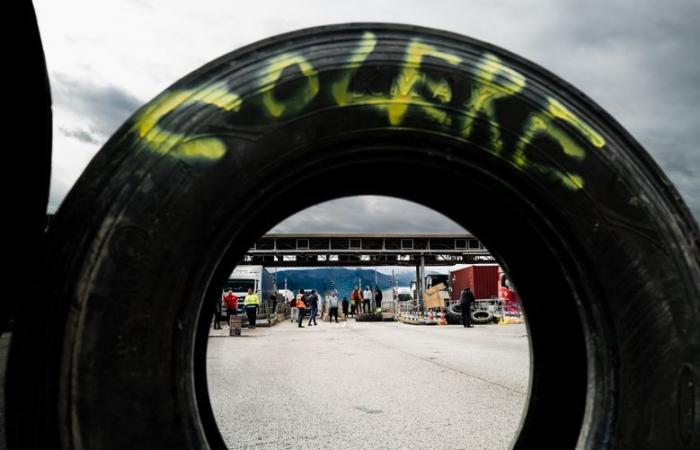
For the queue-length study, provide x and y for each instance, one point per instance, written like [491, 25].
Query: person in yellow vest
[251, 303]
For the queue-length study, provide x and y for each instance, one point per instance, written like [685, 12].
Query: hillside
[345, 279]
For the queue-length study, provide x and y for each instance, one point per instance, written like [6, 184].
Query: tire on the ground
[569, 203]
[481, 317]
[369, 317]
[453, 320]
[453, 314]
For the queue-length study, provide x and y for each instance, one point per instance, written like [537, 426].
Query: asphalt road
[369, 385]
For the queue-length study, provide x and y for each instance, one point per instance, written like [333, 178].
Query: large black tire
[454, 314]
[369, 317]
[182, 190]
[480, 317]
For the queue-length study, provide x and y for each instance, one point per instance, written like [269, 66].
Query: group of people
[361, 301]
[301, 303]
[251, 302]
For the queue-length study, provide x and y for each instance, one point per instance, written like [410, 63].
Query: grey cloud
[368, 214]
[59, 190]
[654, 24]
[104, 108]
[80, 135]
[638, 60]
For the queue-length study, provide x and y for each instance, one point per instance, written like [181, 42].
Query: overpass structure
[347, 250]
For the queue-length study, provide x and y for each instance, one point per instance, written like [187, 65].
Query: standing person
[231, 302]
[217, 313]
[313, 304]
[378, 299]
[301, 307]
[345, 307]
[293, 307]
[333, 307]
[251, 303]
[273, 300]
[359, 300]
[465, 303]
[354, 299]
[367, 300]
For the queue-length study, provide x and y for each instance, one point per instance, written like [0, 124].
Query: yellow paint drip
[206, 148]
[544, 123]
[573, 182]
[216, 94]
[559, 111]
[493, 80]
[163, 141]
[418, 50]
[403, 90]
[339, 89]
[160, 107]
[274, 71]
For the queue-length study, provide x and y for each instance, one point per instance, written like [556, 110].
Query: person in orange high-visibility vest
[355, 301]
[301, 305]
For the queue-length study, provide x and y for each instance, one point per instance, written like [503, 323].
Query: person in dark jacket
[378, 299]
[345, 304]
[313, 305]
[465, 302]
[217, 313]
[273, 300]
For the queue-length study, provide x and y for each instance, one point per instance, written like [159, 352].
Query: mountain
[322, 279]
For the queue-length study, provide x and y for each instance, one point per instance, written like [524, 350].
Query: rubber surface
[31, 118]
[602, 249]
[454, 314]
[481, 317]
[29, 155]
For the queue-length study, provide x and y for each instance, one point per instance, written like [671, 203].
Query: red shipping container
[481, 279]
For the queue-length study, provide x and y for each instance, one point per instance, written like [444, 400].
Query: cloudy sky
[637, 59]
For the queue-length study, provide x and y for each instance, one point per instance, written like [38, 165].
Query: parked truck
[431, 280]
[434, 279]
[398, 293]
[256, 278]
[395, 298]
[482, 279]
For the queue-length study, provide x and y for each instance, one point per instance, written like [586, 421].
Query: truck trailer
[256, 278]
[482, 279]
